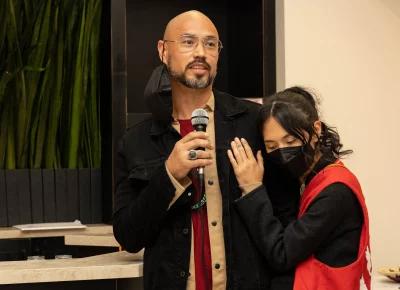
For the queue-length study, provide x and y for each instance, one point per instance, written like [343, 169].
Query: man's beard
[198, 82]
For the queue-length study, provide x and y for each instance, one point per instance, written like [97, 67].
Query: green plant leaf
[31, 68]
[56, 100]
[77, 98]
[40, 36]
[49, 87]
[4, 80]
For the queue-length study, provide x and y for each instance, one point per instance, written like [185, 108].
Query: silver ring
[192, 154]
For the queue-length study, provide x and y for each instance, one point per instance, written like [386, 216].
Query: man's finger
[200, 162]
[202, 154]
[194, 135]
[198, 143]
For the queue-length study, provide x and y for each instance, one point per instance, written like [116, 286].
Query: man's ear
[162, 51]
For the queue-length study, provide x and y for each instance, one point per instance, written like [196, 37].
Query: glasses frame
[220, 46]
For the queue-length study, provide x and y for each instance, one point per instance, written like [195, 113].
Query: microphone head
[199, 117]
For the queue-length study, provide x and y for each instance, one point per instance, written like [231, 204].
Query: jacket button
[185, 231]
[211, 182]
[189, 194]
[217, 266]
[182, 274]
[214, 223]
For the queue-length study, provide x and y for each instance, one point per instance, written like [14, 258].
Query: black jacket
[144, 191]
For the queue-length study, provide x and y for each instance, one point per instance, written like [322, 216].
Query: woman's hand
[247, 169]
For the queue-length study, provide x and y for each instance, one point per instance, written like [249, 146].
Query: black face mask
[297, 160]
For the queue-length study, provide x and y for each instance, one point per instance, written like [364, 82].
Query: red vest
[311, 274]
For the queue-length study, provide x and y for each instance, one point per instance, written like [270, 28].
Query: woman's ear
[318, 130]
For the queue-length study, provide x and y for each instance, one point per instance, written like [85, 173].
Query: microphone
[200, 121]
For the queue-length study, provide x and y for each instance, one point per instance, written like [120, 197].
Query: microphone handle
[200, 128]
[200, 170]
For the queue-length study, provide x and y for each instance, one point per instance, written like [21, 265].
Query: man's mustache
[199, 60]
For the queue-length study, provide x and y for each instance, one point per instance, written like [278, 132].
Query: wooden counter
[109, 266]
[99, 240]
[95, 229]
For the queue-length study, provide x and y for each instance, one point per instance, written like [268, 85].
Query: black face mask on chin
[296, 160]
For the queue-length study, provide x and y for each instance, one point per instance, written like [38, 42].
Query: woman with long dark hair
[328, 245]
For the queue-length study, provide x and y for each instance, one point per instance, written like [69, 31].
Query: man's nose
[200, 50]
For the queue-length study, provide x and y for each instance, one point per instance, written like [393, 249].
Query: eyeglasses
[188, 43]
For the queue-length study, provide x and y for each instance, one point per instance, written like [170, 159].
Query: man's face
[196, 75]
[195, 69]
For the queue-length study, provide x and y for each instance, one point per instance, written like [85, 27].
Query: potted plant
[50, 138]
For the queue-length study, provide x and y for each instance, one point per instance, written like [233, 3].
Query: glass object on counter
[30, 258]
[57, 257]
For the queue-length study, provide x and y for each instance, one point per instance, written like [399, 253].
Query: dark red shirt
[186, 127]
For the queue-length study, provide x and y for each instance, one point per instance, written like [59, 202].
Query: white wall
[349, 52]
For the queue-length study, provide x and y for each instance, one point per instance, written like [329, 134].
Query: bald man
[192, 240]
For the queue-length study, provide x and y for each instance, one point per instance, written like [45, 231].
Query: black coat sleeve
[285, 248]
[139, 205]
[283, 192]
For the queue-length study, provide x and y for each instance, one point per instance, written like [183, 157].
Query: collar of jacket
[226, 104]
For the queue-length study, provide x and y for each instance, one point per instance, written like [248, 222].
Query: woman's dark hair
[296, 111]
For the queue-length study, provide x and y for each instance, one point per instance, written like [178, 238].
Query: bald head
[190, 64]
[187, 22]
